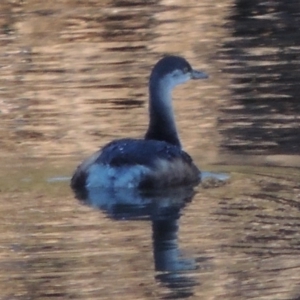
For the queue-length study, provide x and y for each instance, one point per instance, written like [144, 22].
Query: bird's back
[137, 163]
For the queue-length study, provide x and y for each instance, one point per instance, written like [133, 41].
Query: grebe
[157, 161]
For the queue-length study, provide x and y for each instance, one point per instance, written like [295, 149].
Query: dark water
[263, 51]
[74, 76]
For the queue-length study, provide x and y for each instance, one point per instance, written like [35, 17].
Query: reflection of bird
[157, 160]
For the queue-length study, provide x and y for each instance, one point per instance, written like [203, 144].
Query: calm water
[74, 76]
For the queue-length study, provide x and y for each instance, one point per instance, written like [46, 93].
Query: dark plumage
[156, 161]
[141, 152]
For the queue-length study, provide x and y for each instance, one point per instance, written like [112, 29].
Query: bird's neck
[162, 125]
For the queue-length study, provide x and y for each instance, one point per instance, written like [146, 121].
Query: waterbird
[156, 161]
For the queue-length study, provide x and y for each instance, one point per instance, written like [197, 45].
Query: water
[73, 77]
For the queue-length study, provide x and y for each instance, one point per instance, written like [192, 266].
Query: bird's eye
[185, 69]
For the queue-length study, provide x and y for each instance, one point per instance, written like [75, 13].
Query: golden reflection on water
[68, 71]
[243, 238]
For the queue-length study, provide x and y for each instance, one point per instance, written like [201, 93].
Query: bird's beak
[198, 75]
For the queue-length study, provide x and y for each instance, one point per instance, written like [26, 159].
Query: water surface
[74, 76]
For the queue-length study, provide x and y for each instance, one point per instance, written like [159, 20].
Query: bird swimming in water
[157, 161]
